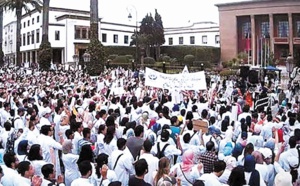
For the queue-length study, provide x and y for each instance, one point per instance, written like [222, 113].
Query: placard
[200, 125]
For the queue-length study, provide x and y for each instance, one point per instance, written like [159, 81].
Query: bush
[45, 55]
[98, 56]
[121, 59]
[149, 60]
[112, 56]
[206, 64]
[189, 59]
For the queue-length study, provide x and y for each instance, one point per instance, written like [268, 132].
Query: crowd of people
[68, 128]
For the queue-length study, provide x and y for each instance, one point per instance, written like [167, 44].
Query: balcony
[281, 40]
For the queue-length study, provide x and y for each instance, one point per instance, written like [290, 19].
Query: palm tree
[18, 6]
[45, 26]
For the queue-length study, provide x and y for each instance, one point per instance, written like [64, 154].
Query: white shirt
[170, 150]
[10, 178]
[152, 162]
[124, 165]
[71, 169]
[46, 143]
[192, 175]
[77, 137]
[81, 182]
[210, 180]
[19, 123]
[111, 176]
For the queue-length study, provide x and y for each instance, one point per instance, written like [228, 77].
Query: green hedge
[174, 53]
[228, 72]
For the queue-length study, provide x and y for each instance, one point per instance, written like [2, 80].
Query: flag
[185, 70]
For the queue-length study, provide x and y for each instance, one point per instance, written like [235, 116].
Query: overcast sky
[173, 12]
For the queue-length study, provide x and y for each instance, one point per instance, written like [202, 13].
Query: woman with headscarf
[237, 177]
[261, 166]
[69, 160]
[247, 151]
[226, 142]
[22, 150]
[187, 171]
[252, 176]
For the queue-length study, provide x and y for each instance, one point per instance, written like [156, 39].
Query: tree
[147, 29]
[45, 50]
[18, 6]
[1, 36]
[95, 47]
[158, 35]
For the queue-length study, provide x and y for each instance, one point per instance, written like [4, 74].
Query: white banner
[184, 81]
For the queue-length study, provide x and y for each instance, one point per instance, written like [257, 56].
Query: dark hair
[45, 129]
[237, 177]
[7, 126]
[23, 167]
[84, 167]
[109, 134]
[147, 145]
[121, 142]
[187, 138]
[293, 141]
[86, 154]
[210, 146]
[219, 166]
[47, 169]
[138, 130]
[68, 133]
[101, 128]
[101, 160]
[9, 158]
[140, 167]
[189, 115]
[34, 153]
[85, 132]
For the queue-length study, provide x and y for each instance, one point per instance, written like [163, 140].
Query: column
[271, 22]
[291, 46]
[253, 40]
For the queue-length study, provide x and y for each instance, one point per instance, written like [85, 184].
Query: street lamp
[76, 60]
[290, 64]
[202, 66]
[136, 30]
[86, 57]
[164, 67]
[132, 65]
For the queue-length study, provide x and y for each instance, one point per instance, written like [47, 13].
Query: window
[246, 30]
[298, 28]
[28, 23]
[170, 41]
[57, 35]
[125, 39]
[32, 22]
[192, 40]
[38, 19]
[28, 38]
[217, 39]
[283, 29]
[24, 39]
[81, 32]
[104, 38]
[265, 29]
[204, 39]
[37, 35]
[284, 53]
[24, 25]
[32, 37]
[115, 38]
[180, 40]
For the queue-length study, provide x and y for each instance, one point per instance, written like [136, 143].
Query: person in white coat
[69, 160]
[85, 169]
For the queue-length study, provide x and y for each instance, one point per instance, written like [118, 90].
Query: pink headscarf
[187, 160]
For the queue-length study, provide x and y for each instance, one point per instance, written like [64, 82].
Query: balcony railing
[281, 40]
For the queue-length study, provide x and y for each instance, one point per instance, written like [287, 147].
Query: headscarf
[22, 147]
[67, 146]
[258, 157]
[187, 160]
[237, 150]
[227, 149]
[230, 162]
[249, 165]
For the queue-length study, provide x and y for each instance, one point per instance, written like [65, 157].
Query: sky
[173, 13]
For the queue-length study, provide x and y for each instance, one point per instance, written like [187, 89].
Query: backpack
[10, 144]
[161, 153]
[13, 121]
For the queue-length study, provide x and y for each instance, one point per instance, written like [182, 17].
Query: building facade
[69, 33]
[263, 29]
[199, 33]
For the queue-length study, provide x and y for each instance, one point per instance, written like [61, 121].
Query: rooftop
[252, 1]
